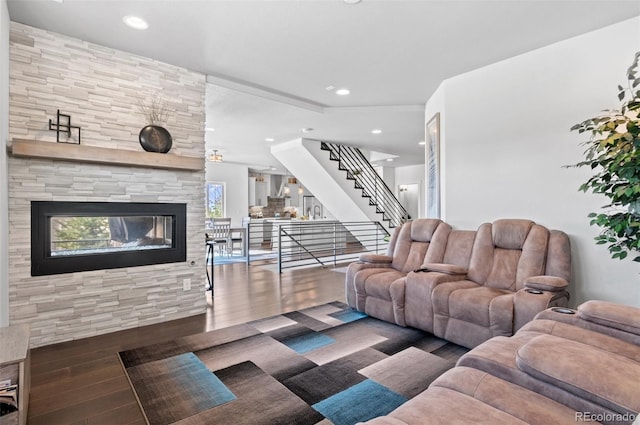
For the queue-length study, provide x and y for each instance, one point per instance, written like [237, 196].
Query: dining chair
[220, 234]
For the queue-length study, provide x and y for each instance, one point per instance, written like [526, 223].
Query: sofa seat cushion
[605, 378]
[380, 293]
[378, 285]
[352, 271]
[475, 305]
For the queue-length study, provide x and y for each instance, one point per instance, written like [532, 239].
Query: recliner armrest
[375, 258]
[595, 375]
[612, 315]
[546, 283]
[442, 268]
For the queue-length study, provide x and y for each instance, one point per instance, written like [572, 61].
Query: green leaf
[614, 159]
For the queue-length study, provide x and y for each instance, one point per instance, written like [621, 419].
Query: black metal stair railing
[359, 169]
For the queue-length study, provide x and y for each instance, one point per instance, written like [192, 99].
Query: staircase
[366, 179]
[344, 181]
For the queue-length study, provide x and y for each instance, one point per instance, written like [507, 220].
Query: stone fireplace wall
[100, 87]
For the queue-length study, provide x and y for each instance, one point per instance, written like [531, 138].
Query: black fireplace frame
[43, 263]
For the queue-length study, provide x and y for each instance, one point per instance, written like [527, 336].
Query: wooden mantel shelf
[96, 155]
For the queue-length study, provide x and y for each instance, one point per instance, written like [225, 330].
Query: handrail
[285, 233]
[365, 177]
[297, 243]
[309, 243]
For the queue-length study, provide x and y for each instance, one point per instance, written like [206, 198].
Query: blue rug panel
[348, 315]
[308, 342]
[359, 403]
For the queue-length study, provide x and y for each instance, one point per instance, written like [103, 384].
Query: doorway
[409, 195]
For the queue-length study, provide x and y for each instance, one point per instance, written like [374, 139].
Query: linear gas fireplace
[80, 236]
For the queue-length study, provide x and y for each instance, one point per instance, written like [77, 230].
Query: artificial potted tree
[613, 153]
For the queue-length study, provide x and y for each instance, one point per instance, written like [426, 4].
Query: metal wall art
[65, 128]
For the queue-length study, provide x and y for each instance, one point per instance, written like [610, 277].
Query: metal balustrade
[296, 243]
[359, 169]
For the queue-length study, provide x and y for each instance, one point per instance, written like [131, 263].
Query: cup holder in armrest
[533, 291]
[563, 310]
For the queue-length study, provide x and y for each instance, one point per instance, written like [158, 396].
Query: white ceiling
[269, 61]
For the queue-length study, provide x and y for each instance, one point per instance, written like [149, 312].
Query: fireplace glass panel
[92, 235]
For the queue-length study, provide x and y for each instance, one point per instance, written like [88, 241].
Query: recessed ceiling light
[389, 159]
[135, 22]
[422, 142]
[272, 168]
[269, 139]
[307, 130]
[342, 92]
[352, 1]
[210, 129]
[376, 131]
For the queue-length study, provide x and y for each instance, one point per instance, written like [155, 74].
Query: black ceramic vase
[154, 138]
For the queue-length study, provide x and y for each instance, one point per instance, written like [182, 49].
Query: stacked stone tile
[100, 88]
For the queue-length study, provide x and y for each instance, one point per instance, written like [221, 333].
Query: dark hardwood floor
[82, 382]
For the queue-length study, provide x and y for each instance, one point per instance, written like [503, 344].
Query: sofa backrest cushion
[458, 251]
[559, 255]
[418, 240]
[510, 234]
[393, 240]
[506, 252]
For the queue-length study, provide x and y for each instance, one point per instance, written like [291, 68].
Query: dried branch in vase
[155, 111]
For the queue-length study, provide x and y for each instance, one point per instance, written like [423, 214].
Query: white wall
[4, 137]
[236, 178]
[506, 139]
[388, 175]
[412, 174]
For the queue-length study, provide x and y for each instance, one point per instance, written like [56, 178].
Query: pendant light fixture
[215, 156]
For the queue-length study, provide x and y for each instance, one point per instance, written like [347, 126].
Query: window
[215, 200]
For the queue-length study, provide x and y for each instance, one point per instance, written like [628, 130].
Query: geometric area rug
[321, 365]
